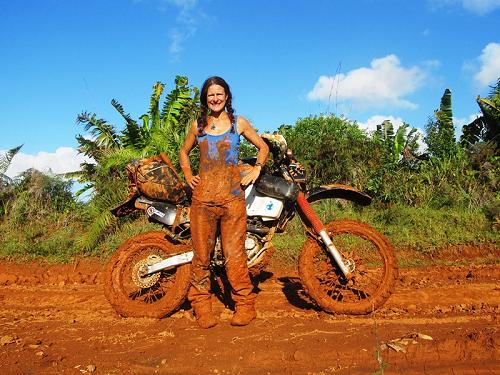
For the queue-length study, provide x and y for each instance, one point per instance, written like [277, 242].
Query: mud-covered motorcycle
[345, 266]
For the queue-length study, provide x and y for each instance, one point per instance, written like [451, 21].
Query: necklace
[213, 126]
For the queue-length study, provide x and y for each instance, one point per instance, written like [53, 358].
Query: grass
[420, 235]
[53, 241]
[127, 230]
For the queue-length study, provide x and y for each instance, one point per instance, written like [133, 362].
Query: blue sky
[366, 60]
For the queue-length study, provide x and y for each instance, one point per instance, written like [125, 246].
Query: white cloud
[489, 70]
[177, 38]
[162, 4]
[370, 125]
[458, 122]
[384, 83]
[479, 7]
[63, 160]
[187, 21]
[183, 3]
[432, 63]
[185, 24]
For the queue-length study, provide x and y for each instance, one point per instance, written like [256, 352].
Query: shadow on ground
[296, 295]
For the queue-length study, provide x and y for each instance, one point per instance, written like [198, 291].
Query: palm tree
[6, 188]
[159, 130]
[5, 161]
[440, 136]
[156, 131]
[485, 128]
[396, 145]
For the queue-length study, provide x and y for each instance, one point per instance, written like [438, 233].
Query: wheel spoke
[374, 269]
[150, 294]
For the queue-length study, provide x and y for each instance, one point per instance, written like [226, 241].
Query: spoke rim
[153, 293]
[365, 280]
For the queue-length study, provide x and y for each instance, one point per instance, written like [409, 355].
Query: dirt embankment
[440, 320]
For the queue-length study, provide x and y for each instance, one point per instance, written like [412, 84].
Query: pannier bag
[155, 178]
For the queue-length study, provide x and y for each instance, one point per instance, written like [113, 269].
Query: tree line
[387, 163]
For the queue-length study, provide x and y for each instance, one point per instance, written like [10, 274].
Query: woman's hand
[251, 176]
[192, 181]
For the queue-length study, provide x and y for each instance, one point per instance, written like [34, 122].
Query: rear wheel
[364, 249]
[134, 295]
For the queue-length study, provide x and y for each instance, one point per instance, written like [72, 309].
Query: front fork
[320, 229]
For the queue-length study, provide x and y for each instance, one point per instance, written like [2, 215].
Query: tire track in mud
[60, 322]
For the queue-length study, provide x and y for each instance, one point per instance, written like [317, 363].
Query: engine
[254, 247]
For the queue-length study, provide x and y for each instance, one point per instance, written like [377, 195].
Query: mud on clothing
[219, 173]
[218, 198]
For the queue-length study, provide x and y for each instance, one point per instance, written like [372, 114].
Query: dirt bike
[345, 266]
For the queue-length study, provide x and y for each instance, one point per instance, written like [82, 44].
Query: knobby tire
[156, 301]
[373, 279]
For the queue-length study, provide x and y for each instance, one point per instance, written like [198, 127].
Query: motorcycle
[345, 266]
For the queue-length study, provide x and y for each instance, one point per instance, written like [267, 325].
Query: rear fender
[338, 191]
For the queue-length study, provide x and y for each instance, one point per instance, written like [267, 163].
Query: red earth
[440, 320]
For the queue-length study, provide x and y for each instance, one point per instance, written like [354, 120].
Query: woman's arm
[184, 156]
[251, 135]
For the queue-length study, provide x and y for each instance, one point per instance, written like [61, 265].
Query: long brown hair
[202, 119]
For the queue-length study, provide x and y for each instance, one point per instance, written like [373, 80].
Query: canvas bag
[155, 178]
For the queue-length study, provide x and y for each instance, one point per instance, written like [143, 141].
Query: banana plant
[396, 144]
[160, 129]
[440, 136]
[5, 161]
[156, 131]
[485, 128]
[445, 112]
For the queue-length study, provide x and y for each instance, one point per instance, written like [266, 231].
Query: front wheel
[364, 249]
[155, 296]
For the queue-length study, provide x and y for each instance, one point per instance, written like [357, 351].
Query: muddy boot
[244, 314]
[204, 315]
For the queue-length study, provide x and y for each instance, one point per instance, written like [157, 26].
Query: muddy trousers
[232, 218]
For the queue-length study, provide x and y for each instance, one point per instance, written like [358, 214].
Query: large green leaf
[154, 106]
[445, 107]
[132, 135]
[103, 133]
[485, 128]
[6, 158]
[154, 132]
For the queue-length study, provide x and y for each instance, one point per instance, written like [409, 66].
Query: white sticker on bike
[151, 211]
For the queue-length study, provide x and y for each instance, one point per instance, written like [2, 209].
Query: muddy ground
[440, 320]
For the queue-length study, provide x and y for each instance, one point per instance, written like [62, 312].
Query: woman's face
[216, 98]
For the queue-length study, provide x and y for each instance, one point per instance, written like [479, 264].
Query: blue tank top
[219, 174]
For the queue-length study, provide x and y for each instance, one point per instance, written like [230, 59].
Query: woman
[219, 199]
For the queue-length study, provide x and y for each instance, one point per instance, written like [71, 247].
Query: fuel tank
[277, 187]
[261, 205]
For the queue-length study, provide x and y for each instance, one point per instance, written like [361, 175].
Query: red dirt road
[56, 320]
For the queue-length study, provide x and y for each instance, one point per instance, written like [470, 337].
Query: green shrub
[419, 230]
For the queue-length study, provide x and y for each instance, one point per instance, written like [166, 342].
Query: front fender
[338, 191]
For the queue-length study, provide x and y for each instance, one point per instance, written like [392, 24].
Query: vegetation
[332, 149]
[6, 189]
[423, 202]
[42, 218]
[161, 129]
[440, 137]
[486, 128]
